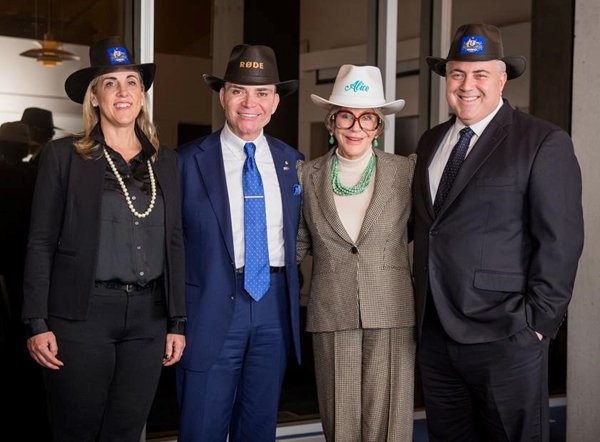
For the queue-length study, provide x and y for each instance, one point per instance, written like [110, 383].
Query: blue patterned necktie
[256, 267]
[457, 156]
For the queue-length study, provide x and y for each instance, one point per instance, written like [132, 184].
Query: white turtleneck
[352, 208]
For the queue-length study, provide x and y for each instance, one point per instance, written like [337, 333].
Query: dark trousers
[113, 362]
[488, 392]
[239, 394]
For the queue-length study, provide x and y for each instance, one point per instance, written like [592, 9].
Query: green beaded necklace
[359, 187]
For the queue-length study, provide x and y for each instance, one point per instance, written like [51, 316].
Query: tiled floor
[312, 431]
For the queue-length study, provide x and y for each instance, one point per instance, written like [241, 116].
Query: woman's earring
[331, 139]
[375, 142]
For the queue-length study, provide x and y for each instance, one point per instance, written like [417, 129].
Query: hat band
[357, 101]
[251, 79]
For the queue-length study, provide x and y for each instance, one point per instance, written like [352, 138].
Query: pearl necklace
[126, 192]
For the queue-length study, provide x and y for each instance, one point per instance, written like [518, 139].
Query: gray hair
[501, 66]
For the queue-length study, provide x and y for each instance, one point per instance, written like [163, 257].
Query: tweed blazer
[367, 283]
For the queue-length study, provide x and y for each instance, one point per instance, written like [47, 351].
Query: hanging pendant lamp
[50, 52]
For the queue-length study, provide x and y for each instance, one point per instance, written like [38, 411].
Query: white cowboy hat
[359, 87]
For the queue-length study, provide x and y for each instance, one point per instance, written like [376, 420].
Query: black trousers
[488, 392]
[113, 362]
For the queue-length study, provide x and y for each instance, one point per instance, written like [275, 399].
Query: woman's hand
[43, 349]
[173, 349]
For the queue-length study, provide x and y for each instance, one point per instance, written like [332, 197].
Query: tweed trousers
[365, 384]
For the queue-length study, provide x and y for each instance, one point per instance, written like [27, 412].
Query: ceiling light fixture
[50, 52]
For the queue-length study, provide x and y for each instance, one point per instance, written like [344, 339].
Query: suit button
[354, 250]
[433, 232]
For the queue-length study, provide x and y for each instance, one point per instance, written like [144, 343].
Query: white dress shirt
[234, 157]
[438, 163]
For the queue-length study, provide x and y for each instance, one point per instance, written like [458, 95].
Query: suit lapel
[90, 185]
[490, 139]
[161, 177]
[384, 179]
[321, 182]
[212, 171]
[283, 170]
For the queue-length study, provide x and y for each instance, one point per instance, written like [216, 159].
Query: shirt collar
[147, 151]
[235, 144]
[478, 127]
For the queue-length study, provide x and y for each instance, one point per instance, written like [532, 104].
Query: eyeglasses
[366, 121]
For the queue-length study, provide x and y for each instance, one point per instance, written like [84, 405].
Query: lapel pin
[285, 165]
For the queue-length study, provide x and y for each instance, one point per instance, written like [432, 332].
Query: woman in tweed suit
[356, 204]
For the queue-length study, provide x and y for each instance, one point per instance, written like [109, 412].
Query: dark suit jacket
[16, 191]
[210, 260]
[502, 254]
[65, 232]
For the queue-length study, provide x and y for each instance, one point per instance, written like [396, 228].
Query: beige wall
[583, 332]
[180, 94]
[25, 83]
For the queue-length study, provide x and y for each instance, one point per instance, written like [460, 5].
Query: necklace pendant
[341, 190]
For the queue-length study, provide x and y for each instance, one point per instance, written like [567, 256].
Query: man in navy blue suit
[229, 379]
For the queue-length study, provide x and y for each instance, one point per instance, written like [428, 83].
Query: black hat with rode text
[478, 42]
[252, 65]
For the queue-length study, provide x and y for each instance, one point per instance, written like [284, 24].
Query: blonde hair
[330, 125]
[86, 145]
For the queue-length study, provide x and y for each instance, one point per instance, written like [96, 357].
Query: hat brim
[77, 83]
[284, 88]
[386, 108]
[515, 65]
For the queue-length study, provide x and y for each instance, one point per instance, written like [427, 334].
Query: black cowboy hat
[106, 55]
[252, 65]
[14, 132]
[39, 118]
[478, 42]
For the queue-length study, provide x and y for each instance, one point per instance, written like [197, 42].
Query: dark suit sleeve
[411, 219]
[556, 223]
[46, 221]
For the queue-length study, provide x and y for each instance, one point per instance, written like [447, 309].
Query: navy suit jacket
[502, 253]
[210, 261]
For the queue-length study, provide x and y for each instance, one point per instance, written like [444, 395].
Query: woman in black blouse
[103, 295]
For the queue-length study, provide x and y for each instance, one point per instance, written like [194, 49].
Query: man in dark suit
[42, 130]
[242, 285]
[498, 236]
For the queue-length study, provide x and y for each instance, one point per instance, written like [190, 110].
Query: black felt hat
[39, 118]
[252, 65]
[478, 42]
[106, 55]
